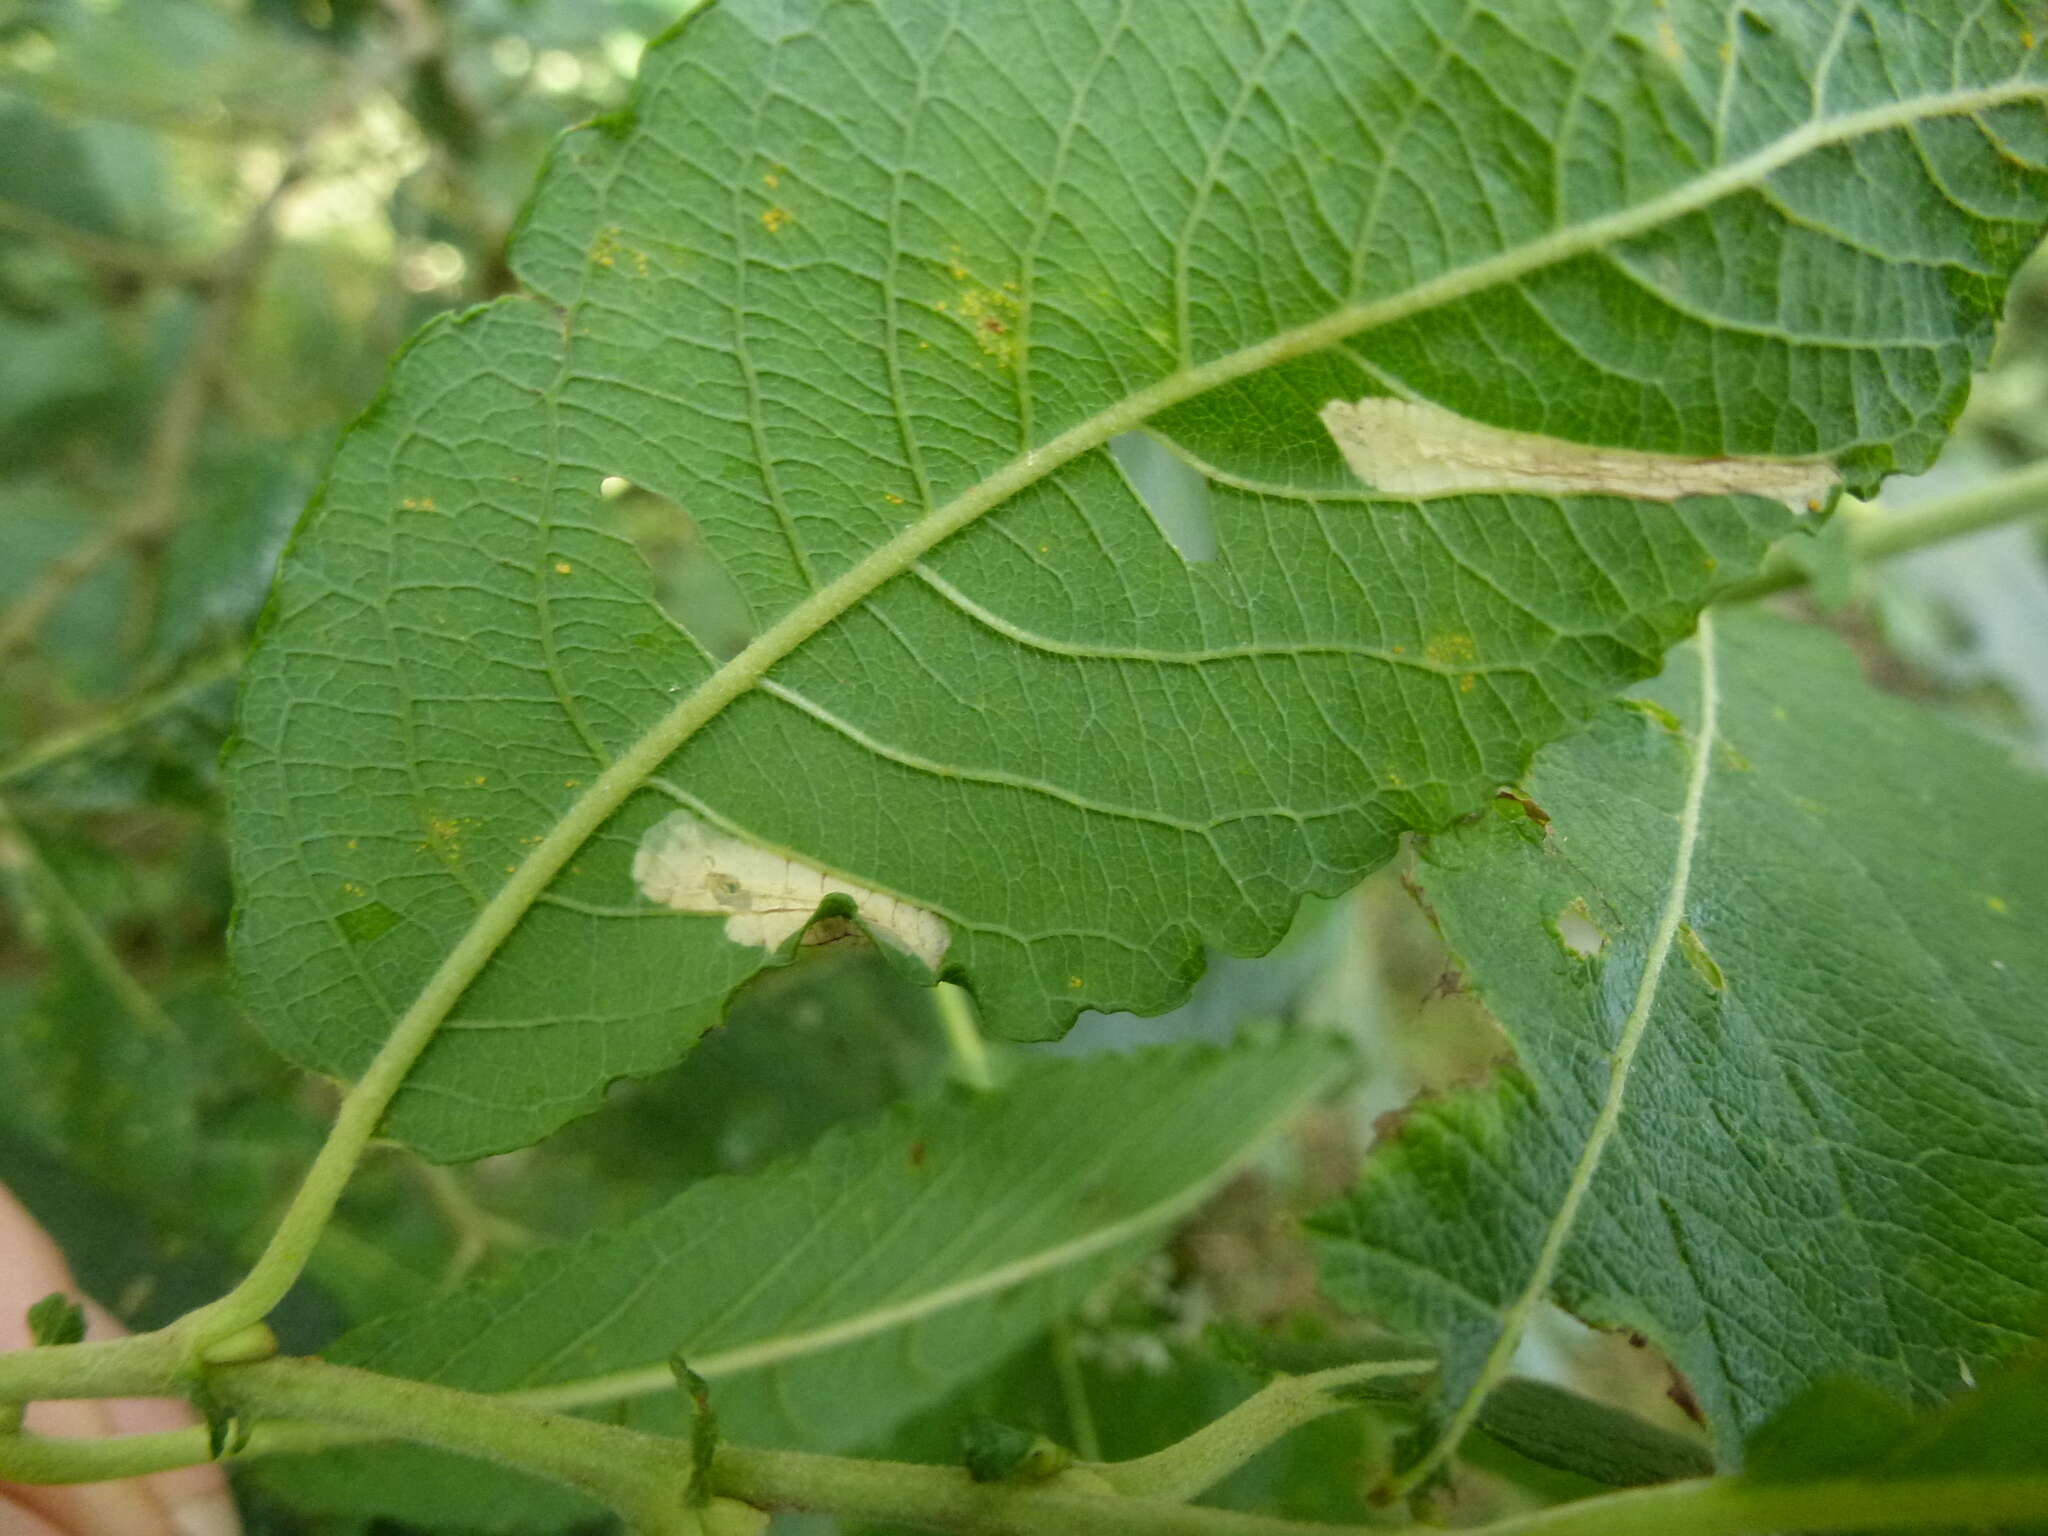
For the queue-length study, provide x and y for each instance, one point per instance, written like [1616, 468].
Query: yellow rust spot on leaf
[1450, 649]
[444, 837]
[1997, 904]
[989, 311]
[563, 568]
[774, 219]
[770, 180]
[892, 498]
[418, 504]
[766, 896]
[1467, 683]
[606, 250]
[990, 315]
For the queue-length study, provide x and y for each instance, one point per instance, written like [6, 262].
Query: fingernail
[206, 1514]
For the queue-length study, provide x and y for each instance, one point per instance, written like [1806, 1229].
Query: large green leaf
[827, 1298]
[869, 290]
[1830, 1153]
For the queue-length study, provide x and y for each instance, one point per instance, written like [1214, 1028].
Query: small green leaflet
[56, 1319]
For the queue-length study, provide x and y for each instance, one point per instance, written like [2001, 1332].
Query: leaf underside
[1832, 1155]
[839, 269]
[826, 1299]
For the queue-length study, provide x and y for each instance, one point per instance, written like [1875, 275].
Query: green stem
[1217, 1449]
[121, 716]
[475, 1229]
[1734, 1507]
[114, 255]
[46, 1459]
[147, 1365]
[44, 886]
[308, 1405]
[1066, 1364]
[644, 1477]
[946, 1499]
[2012, 497]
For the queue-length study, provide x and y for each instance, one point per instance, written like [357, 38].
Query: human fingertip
[211, 1513]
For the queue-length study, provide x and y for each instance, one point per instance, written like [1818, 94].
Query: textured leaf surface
[826, 1299]
[867, 291]
[1832, 1151]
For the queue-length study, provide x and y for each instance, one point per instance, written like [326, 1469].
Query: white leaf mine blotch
[1413, 448]
[764, 896]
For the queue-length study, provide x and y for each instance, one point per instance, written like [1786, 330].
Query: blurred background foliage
[217, 222]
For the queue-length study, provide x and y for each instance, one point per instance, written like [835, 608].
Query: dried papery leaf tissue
[765, 896]
[1414, 448]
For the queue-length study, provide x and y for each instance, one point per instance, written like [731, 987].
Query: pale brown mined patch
[765, 896]
[1412, 448]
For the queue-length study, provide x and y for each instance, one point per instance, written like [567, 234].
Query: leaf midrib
[1621, 1061]
[777, 1349]
[495, 922]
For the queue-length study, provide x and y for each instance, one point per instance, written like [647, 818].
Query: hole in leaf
[1581, 937]
[1173, 491]
[691, 583]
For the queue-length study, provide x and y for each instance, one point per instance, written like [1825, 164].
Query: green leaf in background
[1867, 1445]
[1830, 1153]
[828, 1298]
[96, 1070]
[1598, 1442]
[868, 292]
[1849, 1429]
